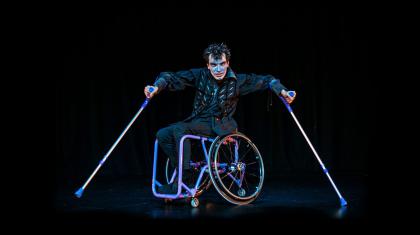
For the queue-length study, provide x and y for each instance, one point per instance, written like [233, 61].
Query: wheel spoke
[233, 180]
[246, 184]
[225, 155]
[230, 150]
[254, 175]
[224, 177]
[245, 154]
[250, 163]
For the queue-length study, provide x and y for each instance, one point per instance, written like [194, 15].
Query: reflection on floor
[287, 200]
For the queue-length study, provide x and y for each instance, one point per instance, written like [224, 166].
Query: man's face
[218, 67]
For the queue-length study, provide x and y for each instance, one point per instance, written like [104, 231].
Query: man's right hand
[148, 93]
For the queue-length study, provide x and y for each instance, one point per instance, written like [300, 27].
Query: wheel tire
[219, 181]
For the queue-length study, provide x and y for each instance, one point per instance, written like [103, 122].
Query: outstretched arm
[249, 83]
[174, 81]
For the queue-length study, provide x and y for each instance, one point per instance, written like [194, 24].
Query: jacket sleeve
[249, 83]
[176, 81]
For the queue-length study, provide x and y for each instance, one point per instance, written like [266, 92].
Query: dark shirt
[213, 106]
[214, 99]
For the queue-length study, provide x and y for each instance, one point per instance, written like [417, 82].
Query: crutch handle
[149, 91]
[291, 94]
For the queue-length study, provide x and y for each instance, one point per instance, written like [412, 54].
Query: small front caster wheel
[195, 202]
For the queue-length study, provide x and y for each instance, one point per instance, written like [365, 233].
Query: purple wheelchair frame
[190, 192]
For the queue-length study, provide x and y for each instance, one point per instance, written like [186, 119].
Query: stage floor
[292, 199]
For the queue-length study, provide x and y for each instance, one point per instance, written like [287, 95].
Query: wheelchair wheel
[205, 181]
[237, 169]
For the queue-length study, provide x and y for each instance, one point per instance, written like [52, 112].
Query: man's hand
[286, 96]
[148, 93]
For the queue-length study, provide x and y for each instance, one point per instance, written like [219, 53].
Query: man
[217, 92]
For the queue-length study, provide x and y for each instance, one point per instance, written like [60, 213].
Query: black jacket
[233, 86]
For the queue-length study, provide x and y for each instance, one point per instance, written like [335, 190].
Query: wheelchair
[232, 164]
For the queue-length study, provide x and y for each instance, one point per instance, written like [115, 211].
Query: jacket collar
[230, 74]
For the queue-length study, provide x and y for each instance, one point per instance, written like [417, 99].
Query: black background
[110, 54]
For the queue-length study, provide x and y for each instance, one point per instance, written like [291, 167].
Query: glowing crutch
[289, 108]
[79, 192]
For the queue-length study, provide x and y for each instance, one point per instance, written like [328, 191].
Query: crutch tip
[343, 202]
[79, 193]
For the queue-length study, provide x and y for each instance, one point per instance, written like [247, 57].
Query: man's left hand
[287, 97]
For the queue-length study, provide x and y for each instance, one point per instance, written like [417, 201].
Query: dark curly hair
[217, 50]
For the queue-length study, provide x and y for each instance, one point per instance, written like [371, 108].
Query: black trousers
[169, 138]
